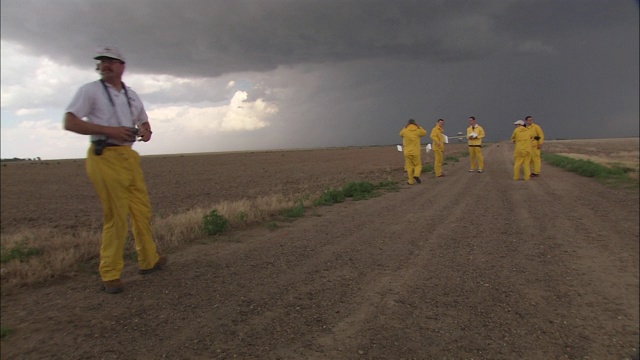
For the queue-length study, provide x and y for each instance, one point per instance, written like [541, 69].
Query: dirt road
[470, 266]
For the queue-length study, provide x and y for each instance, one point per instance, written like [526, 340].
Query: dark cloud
[210, 38]
[361, 68]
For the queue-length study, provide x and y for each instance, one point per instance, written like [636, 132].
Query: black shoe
[113, 286]
[160, 264]
[417, 180]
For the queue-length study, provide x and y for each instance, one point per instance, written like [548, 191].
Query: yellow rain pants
[522, 153]
[475, 153]
[411, 135]
[536, 160]
[438, 149]
[438, 155]
[118, 179]
[413, 165]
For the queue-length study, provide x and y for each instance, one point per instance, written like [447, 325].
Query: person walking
[522, 154]
[475, 134]
[537, 139]
[438, 147]
[115, 116]
[411, 149]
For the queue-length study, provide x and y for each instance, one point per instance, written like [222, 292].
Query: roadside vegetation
[36, 255]
[613, 175]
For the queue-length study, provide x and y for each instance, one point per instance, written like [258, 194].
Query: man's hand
[145, 134]
[121, 133]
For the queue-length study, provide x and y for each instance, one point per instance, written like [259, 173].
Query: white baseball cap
[109, 52]
[519, 122]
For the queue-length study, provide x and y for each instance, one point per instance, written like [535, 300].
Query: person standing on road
[411, 135]
[522, 154]
[114, 116]
[438, 147]
[537, 139]
[475, 133]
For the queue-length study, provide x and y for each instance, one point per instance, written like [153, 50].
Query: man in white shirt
[115, 116]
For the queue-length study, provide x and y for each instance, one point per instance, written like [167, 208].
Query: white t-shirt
[92, 104]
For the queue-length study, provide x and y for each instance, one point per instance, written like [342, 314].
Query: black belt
[104, 144]
[99, 146]
[475, 145]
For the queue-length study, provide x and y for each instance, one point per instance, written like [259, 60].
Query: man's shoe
[417, 180]
[113, 286]
[480, 171]
[471, 170]
[162, 262]
[440, 175]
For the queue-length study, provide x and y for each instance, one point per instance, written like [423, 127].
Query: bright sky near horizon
[278, 74]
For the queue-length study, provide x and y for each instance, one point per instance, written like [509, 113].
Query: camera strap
[113, 104]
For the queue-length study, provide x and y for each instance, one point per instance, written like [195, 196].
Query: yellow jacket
[411, 135]
[536, 130]
[479, 131]
[522, 137]
[437, 137]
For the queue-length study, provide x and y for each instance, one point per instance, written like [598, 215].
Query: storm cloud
[348, 72]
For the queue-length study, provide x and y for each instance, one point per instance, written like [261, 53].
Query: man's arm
[541, 135]
[79, 126]
[480, 132]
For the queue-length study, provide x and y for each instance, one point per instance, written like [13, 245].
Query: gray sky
[273, 74]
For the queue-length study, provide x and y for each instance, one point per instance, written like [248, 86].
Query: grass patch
[294, 212]
[214, 224]
[356, 190]
[20, 251]
[451, 158]
[614, 175]
[427, 168]
[5, 331]
[329, 197]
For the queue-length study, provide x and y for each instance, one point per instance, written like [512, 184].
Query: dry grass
[61, 253]
[64, 253]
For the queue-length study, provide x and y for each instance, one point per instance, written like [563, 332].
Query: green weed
[294, 212]
[20, 251]
[330, 197]
[615, 175]
[5, 331]
[272, 225]
[427, 168]
[358, 190]
[214, 224]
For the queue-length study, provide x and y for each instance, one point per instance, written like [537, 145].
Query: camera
[135, 132]
[99, 146]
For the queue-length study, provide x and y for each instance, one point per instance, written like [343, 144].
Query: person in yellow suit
[438, 147]
[411, 135]
[537, 139]
[115, 119]
[522, 154]
[475, 133]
